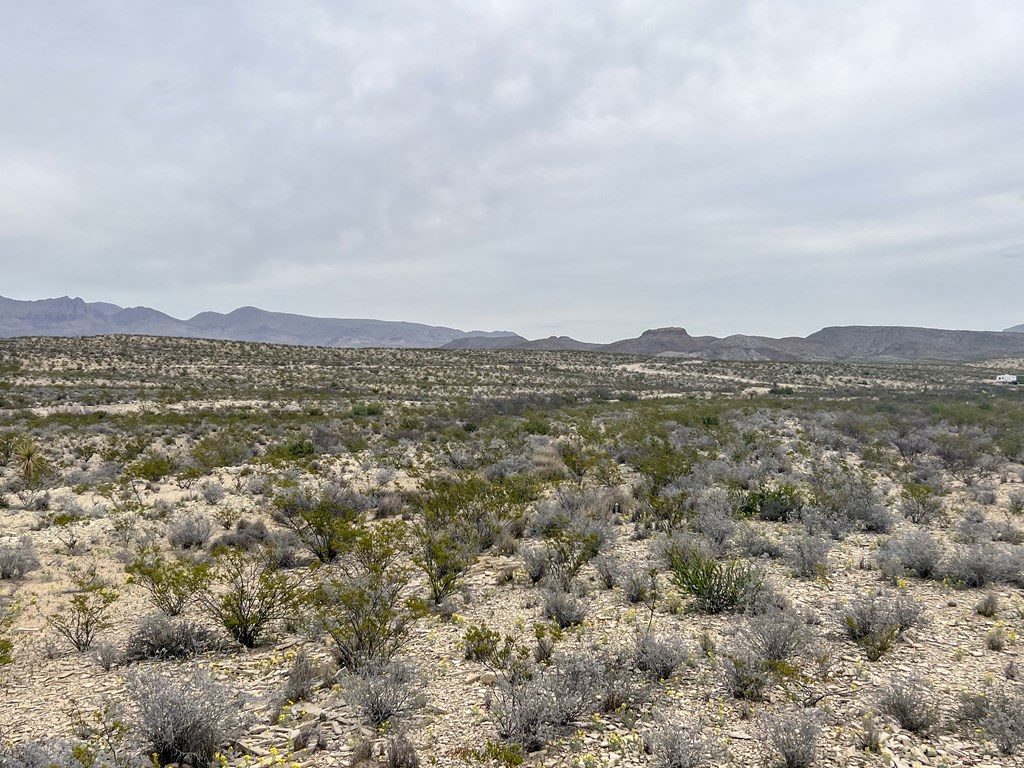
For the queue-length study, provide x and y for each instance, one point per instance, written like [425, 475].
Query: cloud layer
[584, 168]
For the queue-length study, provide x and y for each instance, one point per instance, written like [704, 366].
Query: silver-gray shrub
[980, 564]
[1000, 715]
[716, 517]
[159, 636]
[909, 699]
[528, 709]
[385, 692]
[190, 531]
[18, 558]
[916, 553]
[659, 655]
[182, 715]
[793, 736]
[681, 745]
[808, 555]
[777, 634]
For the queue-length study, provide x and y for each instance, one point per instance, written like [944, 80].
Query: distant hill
[74, 317]
[867, 343]
[1015, 329]
[550, 344]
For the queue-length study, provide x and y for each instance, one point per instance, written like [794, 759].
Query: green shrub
[172, 584]
[366, 609]
[215, 451]
[248, 593]
[7, 614]
[87, 613]
[481, 642]
[324, 520]
[293, 451]
[747, 675]
[716, 585]
[919, 503]
[151, 466]
[776, 503]
[444, 556]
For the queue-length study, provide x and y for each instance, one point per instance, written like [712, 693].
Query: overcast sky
[583, 168]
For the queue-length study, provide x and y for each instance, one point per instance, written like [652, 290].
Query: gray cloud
[592, 169]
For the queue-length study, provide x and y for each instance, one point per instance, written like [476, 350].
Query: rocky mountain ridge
[67, 316]
[837, 343]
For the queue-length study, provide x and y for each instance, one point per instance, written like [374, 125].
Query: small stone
[740, 735]
[251, 749]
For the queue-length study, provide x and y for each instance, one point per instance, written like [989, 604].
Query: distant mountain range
[852, 342]
[75, 317]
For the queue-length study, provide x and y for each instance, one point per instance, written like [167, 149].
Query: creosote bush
[87, 612]
[323, 519]
[366, 605]
[171, 584]
[248, 593]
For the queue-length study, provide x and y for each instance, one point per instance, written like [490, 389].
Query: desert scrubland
[220, 553]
